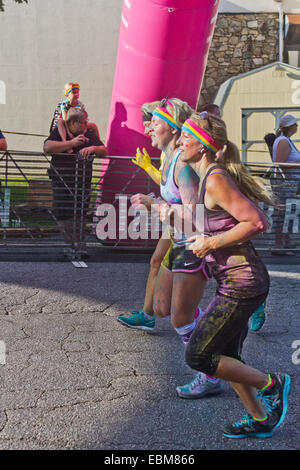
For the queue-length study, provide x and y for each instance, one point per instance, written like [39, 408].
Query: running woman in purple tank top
[230, 196]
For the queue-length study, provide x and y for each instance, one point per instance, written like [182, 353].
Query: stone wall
[241, 42]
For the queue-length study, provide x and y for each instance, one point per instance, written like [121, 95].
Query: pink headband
[206, 139]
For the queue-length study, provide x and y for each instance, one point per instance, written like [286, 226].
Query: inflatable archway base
[163, 49]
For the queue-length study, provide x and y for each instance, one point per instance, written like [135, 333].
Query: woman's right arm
[283, 151]
[143, 160]
[250, 219]
[3, 144]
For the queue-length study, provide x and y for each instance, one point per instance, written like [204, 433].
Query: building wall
[272, 87]
[262, 6]
[246, 37]
[242, 42]
[48, 43]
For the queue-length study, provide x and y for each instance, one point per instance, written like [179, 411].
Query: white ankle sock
[186, 331]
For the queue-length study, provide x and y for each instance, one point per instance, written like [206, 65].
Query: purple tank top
[238, 270]
[215, 221]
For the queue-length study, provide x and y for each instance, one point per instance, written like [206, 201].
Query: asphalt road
[75, 378]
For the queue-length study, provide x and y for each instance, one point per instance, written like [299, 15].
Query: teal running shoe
[276, 398]
[248, 427]
[199, 387]
[258, 318]
[138, 321]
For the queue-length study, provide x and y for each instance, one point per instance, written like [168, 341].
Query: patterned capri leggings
[221, 331]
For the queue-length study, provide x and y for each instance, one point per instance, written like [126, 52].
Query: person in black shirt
[3, 144]
[71, 174]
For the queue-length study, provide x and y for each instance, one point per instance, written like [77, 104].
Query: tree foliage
[2, 4]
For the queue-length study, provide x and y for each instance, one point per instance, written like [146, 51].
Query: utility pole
[281, 19]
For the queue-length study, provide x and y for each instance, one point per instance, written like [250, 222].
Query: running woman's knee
[155, 262]
[203, 362]
[160, 311]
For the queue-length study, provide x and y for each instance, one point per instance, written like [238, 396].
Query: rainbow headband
[164, 114]
[205, 139]
[74, 86]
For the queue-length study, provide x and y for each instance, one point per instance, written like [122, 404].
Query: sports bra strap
[203, 184]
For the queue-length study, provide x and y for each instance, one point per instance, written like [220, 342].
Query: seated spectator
[285, 180]
[70, 173]
[3, 144]
[71, 93]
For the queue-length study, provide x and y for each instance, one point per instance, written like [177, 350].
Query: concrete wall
[46, 44]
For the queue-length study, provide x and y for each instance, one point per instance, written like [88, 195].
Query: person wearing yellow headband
[3, 144]
[137, 318]
[71, 92]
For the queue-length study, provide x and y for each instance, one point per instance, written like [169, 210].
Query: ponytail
[251, 186]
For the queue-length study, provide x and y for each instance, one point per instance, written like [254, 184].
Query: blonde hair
[180, 110]
[68, 86]
[147, 110]
[251, 186]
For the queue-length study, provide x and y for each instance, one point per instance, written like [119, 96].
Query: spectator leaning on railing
[3, 144]
[65, 167]
[285, 180]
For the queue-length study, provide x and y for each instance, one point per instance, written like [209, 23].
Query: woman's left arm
[223, 192]
[188, 185]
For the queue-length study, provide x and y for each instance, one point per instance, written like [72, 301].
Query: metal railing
[44, 206]
[284, 219]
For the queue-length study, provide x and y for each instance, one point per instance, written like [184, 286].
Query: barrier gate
[100, 215]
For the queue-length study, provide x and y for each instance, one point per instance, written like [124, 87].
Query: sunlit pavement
[73, 377]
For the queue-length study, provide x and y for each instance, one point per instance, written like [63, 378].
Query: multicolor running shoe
[199, 387]
[258, 318]
[138, 320]
[276, 398]
[248, 427]
[276, 401]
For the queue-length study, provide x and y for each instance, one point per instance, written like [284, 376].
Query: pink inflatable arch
[163, 49]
